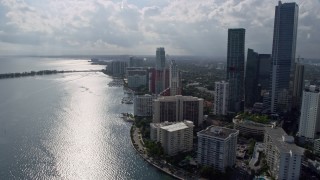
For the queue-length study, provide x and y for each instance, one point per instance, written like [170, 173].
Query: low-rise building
[217, 147]
[174, 137]
[316, 146]
[249, 128]
[283, 156]
[314, 166]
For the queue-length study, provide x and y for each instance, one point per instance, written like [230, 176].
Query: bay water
[65, 126]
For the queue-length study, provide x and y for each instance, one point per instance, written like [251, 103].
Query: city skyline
[126, 27]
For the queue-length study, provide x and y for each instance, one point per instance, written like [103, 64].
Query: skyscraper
[264, 71]
[257, 77]
[160, 58]
[174, 78]
[283, 54]
[251, 78]
[160, 70]
[298, 85]
[235, 68]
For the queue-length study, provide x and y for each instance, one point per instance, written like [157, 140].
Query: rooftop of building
[250, 124]
[312, 88]
[287, 3]
[136, 72]
[144, 96]
[178, 126]
[135, 68]
[218, 132]
[173, 126]
[221, 82]
[282, 141]
[236, 29]
[173, 98]
[260, 119]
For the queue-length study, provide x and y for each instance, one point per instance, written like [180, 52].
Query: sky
[138, 27]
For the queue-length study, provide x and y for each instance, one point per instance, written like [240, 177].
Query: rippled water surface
[66, 126]
[10, 64]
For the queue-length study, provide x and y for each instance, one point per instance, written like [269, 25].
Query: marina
[127, 100]
[127, 117]
[116, 82]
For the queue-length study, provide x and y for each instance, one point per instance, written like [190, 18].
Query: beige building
[174, 137]
[283, 156]
[178, 108]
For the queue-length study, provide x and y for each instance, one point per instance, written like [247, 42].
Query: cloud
[138, 27]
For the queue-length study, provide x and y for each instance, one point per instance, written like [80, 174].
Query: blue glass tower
[160, 70]
[235, 68]
[251, 78]
[283, 55]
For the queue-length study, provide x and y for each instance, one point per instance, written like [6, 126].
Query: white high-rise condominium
[221, 98]
[283, 156]
[310, 113]
[174, 137]
[178, 108]
[217, 147]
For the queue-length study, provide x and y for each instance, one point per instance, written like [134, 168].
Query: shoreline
[146, 158]
[41, 73]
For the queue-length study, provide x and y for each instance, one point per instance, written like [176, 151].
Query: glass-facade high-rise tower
[283, 55]
[174, 79]
[160, 58]
[160, 70]
[257, 77]
[252, 78]
[235, 68]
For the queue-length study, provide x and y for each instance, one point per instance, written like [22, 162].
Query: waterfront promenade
[138, 145]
